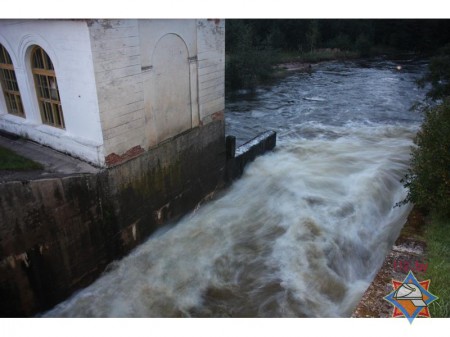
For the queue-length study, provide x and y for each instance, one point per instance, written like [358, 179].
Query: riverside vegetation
[254, 47]
[428, 179]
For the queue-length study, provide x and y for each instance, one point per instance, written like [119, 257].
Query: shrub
[428, 178]
[438, 75]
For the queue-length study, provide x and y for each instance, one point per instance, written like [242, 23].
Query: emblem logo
[411, 298]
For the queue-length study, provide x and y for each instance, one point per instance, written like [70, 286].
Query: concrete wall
[239, 158]
[58, 235]
[67, 42]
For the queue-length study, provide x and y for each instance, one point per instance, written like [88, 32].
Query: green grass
[438, 245]
[9, 160]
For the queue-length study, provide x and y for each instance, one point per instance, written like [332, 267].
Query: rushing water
[306, 228]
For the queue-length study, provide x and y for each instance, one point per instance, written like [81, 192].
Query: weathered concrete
[247, 152]
[57, 235]
[53, 238]
[54, 163]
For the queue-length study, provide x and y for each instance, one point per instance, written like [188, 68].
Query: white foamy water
[301, 234]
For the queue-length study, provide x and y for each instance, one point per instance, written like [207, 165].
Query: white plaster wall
[130, 72]
[67, 43]
[171, 101]
[117, 64]
[211, 67]
[151, 31]
[169, 77]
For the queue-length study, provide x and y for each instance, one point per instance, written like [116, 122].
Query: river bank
[409, 248]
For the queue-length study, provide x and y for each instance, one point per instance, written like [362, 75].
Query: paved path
[56, 164]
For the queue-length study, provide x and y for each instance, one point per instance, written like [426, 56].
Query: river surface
[304, 231]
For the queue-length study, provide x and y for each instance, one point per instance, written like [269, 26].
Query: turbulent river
[304, 231]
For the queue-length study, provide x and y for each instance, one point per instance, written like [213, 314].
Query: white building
[107, 90]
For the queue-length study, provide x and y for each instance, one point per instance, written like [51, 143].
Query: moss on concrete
[9, 160]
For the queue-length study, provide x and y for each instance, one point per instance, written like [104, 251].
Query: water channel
[304, 231]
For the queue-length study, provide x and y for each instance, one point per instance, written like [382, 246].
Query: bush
[248, 68]
[438, 75]
[428, 178]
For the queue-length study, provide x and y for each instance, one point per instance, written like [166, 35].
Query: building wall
[117, 65]
[156, 79]
[169, 53]
[125, 85]
[211, 68]
[67, 43]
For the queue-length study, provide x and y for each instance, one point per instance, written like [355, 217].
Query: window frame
[46, 87]
[10, 85]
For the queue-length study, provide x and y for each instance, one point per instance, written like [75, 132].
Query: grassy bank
[438, 255]
[9, 160]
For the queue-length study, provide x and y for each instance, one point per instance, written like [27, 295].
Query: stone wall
[58, 235]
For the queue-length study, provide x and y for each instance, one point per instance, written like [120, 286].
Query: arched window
[9, 84]
[46, 88]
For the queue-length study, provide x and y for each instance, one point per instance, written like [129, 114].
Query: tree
[313, 34]
[428, 178]
[250, 58]
[438, 75]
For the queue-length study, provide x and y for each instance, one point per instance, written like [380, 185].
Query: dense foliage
[252, 45]
[428, 179]
[439, 75]
[251, 60]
